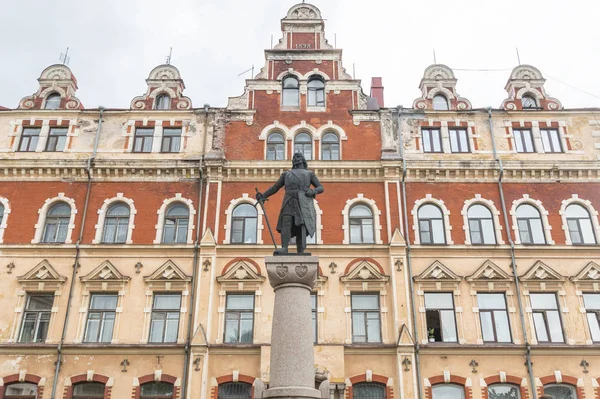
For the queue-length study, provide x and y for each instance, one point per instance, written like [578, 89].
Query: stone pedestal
[292, 373]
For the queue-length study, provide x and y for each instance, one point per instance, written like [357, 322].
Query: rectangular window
[432, 140]
[239, 319]
[494, 317]
[523, 140]
[313, 306]
[164, 326]
[171, 141]
[551, 140]
[439, 313]
[459, 140]
[366, 325]
[101, 318]
[36, 318]
[546, 317]
[57, 138]
[592, 309]
[29, 139]
[142, 141]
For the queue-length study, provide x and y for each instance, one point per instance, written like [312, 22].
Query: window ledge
[316, 109]
[289, 108]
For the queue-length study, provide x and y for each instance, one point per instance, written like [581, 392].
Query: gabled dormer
[56, 90]
[164, 91]
[438, 91]
[526, 92]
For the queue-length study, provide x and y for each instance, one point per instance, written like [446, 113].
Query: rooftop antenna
[271, 41]
[434, 59]
[335, 40]
[518, 57]
[247, 70]
[168, 62]
[65, 57]
[353, 71]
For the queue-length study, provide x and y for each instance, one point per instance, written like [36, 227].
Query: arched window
[448, 391]
[21, 390]
[368, 390]
[316, 92]
[163, 101]
[440, 103]
[528, 102]
[116, 224]
[330, 147]
[1, 213]
[157, 390]
[243, 224]
[481, 225]
[504, 391]
[88, 390]
[291, 92]
[303, 144]
[361, 225]
[431, 225]
[275, 147]
[57, 223]
[52, 101]
[580, 225]
[235, 390]
[175, 229]
[529, 222]
[560, 391]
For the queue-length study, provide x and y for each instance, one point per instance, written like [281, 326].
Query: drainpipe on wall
[88, 170]
[512, 257]
[409, 258]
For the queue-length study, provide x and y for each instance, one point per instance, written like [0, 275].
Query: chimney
[377, 90]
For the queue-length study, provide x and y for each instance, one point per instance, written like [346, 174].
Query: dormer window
[163, 101]
[440, 103]
[316, 92]
[528, 102]
[291, 92]
[52, 101]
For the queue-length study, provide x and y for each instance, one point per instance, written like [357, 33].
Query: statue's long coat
[296, 183]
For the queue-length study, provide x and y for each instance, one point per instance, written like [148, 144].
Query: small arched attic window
[529, 102]
[52, 101]
[440, 103]
[163, 101]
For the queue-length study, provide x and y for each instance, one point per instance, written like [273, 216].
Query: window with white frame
[546, 317]
[551, 140]
[448, 391]
[116, 224]
[432, 139]
[316, 92]
[290, 96]
[163, 102]
[439, 313]
[56, 225]
[529, 223]
[52, 101]
[560, 391]
[314, 309]
[366, 319]
[440, 103]
[361, 225]
[303, 145]
[21, 390]
[481, 225]
[142, 140]
[431, 225]
[580, 226]
[101, 318]
[239, 319]
[504, 391]
[459, 140]
[330, 147]
[29, 139]
[368, 390]
[592, 309]
[275, 147]
[36, 318]
[243, 224]
[164, 324]
[171, 140]
[57, 138]
[1, 213]
[523, 140]
[176, 224]
[494, 317]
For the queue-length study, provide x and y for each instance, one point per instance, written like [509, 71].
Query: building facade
[458, 247]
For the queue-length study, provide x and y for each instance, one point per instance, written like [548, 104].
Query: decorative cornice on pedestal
[292, 269]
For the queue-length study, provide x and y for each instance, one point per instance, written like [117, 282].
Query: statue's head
[298, 161]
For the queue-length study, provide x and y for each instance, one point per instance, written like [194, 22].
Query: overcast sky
[115, 43]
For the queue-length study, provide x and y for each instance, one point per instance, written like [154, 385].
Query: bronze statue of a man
[297, 216]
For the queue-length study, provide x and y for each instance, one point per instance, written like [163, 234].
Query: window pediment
[365, 271]
[438, 271]
[588, 279]
[168, 271]
[106, 272]
[241, 273]
[489, 271]
[541, 272]
[42, 277]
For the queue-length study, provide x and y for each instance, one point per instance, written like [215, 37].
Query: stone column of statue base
[292, 373]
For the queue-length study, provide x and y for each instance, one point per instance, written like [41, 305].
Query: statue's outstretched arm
[275, 187]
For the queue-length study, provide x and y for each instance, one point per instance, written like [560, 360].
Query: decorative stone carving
[440, 79]
[303, 11]
[55, 79]
[527, 80]
[164, 79]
